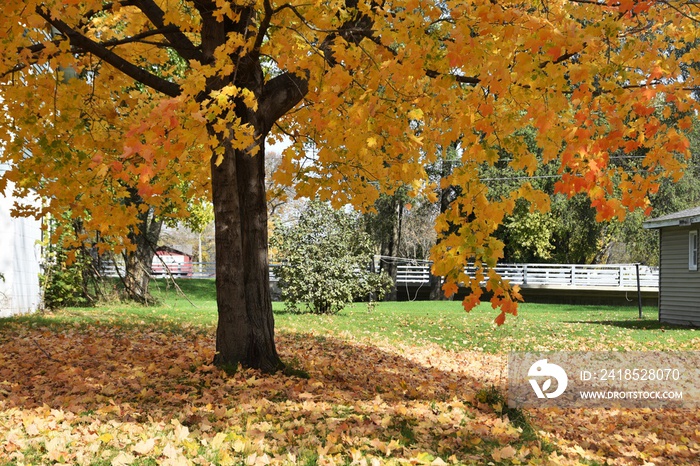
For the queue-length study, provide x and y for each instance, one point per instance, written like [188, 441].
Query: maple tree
[368, 92]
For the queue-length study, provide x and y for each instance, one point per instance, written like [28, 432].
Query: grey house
[679, 277]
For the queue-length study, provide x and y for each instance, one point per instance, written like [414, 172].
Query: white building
[20, 255]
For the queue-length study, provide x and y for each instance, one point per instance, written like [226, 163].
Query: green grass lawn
[445, 323]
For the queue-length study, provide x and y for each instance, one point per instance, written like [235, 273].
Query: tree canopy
[168, 95]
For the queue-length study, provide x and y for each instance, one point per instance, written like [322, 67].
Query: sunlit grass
[445, 323]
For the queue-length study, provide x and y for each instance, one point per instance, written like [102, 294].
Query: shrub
[69, 277]
[63, 282]
[325, 261]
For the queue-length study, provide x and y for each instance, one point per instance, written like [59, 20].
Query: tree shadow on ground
[86, 368]
[637, 324]
[104, 374]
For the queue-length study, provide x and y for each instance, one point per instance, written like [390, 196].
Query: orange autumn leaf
[500, 318]
[449, 288]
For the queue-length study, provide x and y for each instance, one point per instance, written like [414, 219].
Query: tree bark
[253, 195]
[245, 332]
[391, 213]
[390, 266]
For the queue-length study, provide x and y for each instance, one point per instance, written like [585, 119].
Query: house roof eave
[675, 222]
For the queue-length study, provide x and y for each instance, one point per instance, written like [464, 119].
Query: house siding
[679, 288]
[20, 254]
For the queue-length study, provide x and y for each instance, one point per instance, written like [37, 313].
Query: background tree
[640, 245]
[385, 225]
[325, 261]
[143, 237]
[418, 229]
[528, 236]
[278, 196]
[577, 238]
[439, 172]
[376, 88]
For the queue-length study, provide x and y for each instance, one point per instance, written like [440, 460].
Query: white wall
[20, 256]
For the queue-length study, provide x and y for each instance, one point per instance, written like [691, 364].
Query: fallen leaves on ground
[140, 395]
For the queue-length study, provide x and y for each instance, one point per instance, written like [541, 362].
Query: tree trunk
[137, 263]
[447, 196]
[390, 245]
[436, 293]
[245, 332]
[136, 277]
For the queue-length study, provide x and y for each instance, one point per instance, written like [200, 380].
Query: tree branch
[140, 37]
[106, 7]
[34, 50]
[264, 26]
[595, 2]
[471, 80]
[280, 95]
[179, 41]
[88, 45]
[560, 59]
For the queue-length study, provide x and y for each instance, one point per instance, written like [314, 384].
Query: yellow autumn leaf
[415, 114]
[144, 447]
[424, 458]
[417, 140]
[171, 451]
[181, 432]
[218, 440]
[123, 459]
[504, 453]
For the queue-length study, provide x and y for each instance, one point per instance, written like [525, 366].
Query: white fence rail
[526, 275]
[568, 275]
[177, 270]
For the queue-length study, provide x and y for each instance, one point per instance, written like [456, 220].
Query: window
[692, 250]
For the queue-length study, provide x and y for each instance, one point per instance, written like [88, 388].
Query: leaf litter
[104, 394]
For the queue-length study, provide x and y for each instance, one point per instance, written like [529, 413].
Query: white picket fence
[526, 275]
[566, 275]
[180, 270]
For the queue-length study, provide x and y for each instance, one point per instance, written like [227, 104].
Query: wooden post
[620, 272]
[639, 291]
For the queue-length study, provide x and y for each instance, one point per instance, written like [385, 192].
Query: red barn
[170, 261]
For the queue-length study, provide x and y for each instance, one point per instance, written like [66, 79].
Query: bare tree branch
[264, 26]
[472, 80]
